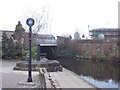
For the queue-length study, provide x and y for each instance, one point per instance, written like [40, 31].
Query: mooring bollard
[42, 78]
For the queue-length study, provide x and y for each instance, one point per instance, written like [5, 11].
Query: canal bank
[15, 79]
[64, 79]
[101, 74]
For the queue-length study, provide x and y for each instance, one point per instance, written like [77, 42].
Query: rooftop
[106, 29]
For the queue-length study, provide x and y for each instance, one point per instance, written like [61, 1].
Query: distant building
[76, 35]
[46, 38]
[101, 36]
[63, 40]
[98, 50]
[105, 33]
[36, 38]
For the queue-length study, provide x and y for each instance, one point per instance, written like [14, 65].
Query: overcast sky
[66, 16]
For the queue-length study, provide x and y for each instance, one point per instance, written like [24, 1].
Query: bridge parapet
[47, 80]
[48, 42]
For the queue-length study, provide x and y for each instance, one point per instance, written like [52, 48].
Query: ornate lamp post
[30, 23]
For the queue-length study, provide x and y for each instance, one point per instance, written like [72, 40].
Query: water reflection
[95, 70]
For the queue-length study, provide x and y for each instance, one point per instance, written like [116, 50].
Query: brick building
[89, 48]
[96, 46]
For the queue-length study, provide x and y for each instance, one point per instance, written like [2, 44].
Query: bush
[26, 53]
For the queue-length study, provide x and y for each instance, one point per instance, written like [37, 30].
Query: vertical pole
[30, 52]
[38, 52]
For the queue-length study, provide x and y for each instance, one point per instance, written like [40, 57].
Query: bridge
[50, 50]
[47, 46]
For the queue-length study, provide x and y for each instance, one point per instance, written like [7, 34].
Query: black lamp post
[30, 23]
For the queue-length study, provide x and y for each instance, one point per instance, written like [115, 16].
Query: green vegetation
[0, 50]
[34, 52]
[68, 49]
[74, 49]
[8, 47]
[12, 47]
[26, 53]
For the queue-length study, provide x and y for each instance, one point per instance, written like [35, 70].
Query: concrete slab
[11, 78]
[68, 79]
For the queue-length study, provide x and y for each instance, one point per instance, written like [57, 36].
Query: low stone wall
[50, 65]
[47, 81]
[42, 77]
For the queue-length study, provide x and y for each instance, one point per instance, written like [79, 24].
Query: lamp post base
[29, 79]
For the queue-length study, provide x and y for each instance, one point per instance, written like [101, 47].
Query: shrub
[26, 53]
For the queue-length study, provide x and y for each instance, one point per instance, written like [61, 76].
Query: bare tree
[41, 18]
[41, 21]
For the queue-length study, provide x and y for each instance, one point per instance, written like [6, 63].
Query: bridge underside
[50, 50]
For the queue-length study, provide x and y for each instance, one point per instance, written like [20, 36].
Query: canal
[101, 74]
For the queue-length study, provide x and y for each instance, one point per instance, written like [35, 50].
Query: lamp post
[30, 23]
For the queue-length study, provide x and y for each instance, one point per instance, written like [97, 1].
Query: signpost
[30, 23]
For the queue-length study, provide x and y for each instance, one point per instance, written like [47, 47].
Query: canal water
[101, 74]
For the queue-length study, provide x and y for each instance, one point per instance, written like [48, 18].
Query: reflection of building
[109, 33]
